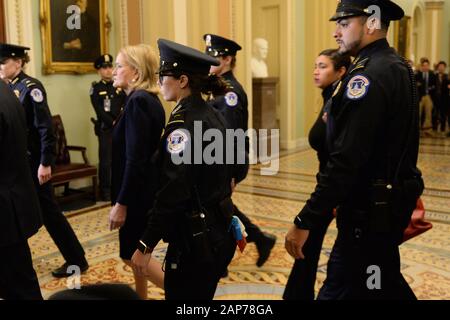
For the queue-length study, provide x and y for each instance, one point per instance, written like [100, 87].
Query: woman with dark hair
[330, 67]
[193, 209]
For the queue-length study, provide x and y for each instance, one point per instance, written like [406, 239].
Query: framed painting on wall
[74, 33]
[402, 35]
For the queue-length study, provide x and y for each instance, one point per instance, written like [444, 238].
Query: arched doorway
[2, 23]
[418, 42]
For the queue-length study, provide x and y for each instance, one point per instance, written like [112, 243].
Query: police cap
[103, 61]
[353, 8]
[217, 46]
[178, 58]
[8, 51]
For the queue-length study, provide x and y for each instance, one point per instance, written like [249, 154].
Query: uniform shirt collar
[372, 47]
[19, 77]
[228, 75]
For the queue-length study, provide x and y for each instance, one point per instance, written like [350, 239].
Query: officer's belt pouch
[226, 208]
[198, 236]
[380, 214]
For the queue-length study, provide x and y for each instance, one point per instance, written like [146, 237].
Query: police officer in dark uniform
[19, 206]
[372, 176]
[234, 107]
[108, 103]
[193, 208]
[41, 150]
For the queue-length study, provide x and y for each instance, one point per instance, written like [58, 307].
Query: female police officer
[189, 212]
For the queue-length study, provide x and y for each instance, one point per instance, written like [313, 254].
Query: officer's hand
[117, 217]
[140, 263]
[44, 174]
[295, 240]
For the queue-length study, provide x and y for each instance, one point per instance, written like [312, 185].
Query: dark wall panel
[2, 23]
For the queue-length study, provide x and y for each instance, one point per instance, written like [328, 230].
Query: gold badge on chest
[17, 92]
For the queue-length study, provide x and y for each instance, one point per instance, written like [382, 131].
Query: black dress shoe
[66, 271]
[265, 245]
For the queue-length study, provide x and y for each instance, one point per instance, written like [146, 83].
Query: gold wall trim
[124, 23]
[434, 5]
[19, 27]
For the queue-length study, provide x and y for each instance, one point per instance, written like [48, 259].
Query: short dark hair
[233, 62]
[339, 60]
[23, 60]
[424, 60]
[201, 83]
[443, 63]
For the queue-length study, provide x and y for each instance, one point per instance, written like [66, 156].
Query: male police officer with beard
[234, 107]
[372, 178]
[108, 103]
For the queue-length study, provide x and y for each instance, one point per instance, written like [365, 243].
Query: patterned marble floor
[272, 202]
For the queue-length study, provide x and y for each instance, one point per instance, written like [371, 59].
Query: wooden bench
[65, 170]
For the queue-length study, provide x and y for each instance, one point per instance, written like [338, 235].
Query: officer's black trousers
[443, 109]
[301, 282]
[192, 280]
[105, 159]
[18, 280]
[253, 231]
[365, 268]
[57, 225]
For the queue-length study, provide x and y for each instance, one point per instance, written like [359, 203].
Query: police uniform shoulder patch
[177, 141]
[91, 91]
[231, 99]
[37, 95]
[358, 87]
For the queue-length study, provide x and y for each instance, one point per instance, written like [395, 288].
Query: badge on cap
[177, 141]
[231, 99]
[37, 95]
[208, 40]
[358, 87]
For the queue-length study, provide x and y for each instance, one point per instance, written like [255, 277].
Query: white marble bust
[260, 51]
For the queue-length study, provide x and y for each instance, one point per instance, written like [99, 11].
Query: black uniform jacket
[41, 137]
[318, 133]
[421, 84]
[19, 207]
[442, 89]
[135, 139]
[370, 122]
[234, 108]
[175, 196]
[107, 102]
